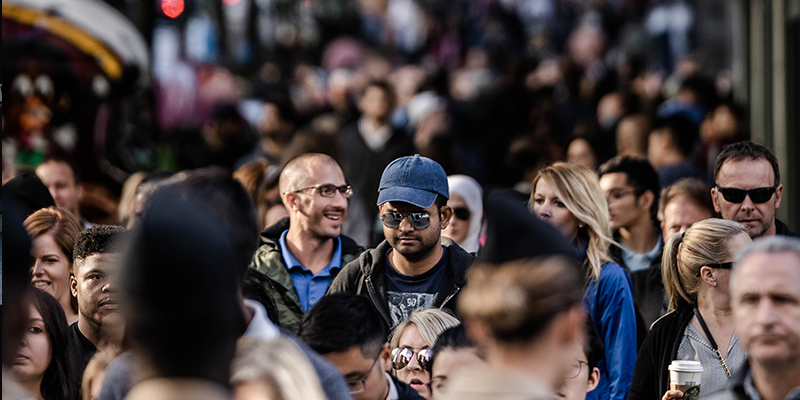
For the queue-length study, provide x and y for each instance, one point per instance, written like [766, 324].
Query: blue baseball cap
[415, 180]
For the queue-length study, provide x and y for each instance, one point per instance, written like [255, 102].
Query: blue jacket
[609, 303]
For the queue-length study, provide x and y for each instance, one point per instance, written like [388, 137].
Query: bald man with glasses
[300, 255]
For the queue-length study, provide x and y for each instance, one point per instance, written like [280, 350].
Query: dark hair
[388, 91]
[639, 173]
[58, 158]
[58, 382]
[187, 329]
[747, 150]
[217, 192]
[682, 130]
[341, 321]
[592, 345]
[454, 338]
[99, 239]
[696, 190]
[440, 201]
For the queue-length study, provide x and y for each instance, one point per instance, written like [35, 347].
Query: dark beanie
[513, 232]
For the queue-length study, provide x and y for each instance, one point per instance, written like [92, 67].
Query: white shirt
[260, 326]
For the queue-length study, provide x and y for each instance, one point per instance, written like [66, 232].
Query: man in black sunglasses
[748, 188]
[300, 255]
[415, 267]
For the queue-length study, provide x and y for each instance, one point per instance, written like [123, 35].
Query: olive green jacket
[270, 270]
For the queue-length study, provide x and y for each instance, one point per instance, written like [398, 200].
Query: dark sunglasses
[757, 195]
[725, 265]
[402, 356]
[419, 220]
[329, 190]
[461, 213]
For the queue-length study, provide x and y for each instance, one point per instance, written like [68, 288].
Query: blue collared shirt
[309, 287]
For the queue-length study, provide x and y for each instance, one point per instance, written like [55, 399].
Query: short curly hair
[98, 240]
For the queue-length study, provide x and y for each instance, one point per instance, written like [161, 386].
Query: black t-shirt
[82, 349]
[407, 293]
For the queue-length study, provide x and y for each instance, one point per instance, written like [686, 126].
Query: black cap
[514, 233]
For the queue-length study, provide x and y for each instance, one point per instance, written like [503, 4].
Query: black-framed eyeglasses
[725, 265]
[576, 369]
[757, 195]
[461, 213]
[329, 190]
[402, 356]
[419, 220]
[357, 385]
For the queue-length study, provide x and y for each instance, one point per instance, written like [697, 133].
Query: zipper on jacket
[450, 296]
[371, 290]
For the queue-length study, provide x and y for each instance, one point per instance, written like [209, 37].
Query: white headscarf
[471, 192]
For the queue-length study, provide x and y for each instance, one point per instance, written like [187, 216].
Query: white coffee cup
[684, 375]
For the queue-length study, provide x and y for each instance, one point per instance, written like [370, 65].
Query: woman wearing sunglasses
[569, 197]
[466, 200]
[412, 346]
[699, 325]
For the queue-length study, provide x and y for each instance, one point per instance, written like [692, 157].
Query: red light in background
[231, 2]
[172, 8]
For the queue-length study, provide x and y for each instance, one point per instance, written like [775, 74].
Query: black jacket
[782, 229]
[367, 275]
[405, 391]
[651, 374]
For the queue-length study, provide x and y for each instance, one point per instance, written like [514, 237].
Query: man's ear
[594, 379]
[714, 200]
[386, 357]
[290, 200]
[73, 285]
[778, 196]
[447, 213]
[646, 199]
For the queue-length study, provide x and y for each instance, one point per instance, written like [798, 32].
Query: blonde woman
[568, 196]
[273, 370]
[699, 325]
[412, 346]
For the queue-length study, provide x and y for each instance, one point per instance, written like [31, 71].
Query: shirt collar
[393, 394]
[291, 262]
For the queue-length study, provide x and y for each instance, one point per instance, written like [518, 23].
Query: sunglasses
[402, 356]
[461, 213]
[329, 190]
[757, 195]
[419, 220]
[725, 265]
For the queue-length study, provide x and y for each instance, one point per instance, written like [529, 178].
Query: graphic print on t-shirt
[402, 304]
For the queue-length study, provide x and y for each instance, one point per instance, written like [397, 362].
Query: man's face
[679, 214]
[367, 373]
[415, 244]
[93, 285]
[449, 361]
[60, 181]
[765, 297]
[580, 380]
[759, 219]
[374, 103]
[322, 217]
[625, 207]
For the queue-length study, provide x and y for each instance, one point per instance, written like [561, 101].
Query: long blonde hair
[705, 243]
[579, 189]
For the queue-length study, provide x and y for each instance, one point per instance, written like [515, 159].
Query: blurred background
[490, 88]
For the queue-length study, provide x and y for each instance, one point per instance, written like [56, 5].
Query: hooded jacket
[367, 276]
[269, 269]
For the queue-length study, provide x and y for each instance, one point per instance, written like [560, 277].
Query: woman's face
[458, 229]
[548, 207]
[51, 268]
[413, 373]
[34, 353]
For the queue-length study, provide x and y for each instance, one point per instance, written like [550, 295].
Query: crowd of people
[588, 289]
[499, 208]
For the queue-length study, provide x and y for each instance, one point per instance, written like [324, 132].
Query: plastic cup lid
[686, 366]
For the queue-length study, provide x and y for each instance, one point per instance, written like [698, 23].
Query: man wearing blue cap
[414, 267]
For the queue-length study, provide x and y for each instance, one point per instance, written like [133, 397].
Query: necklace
[711, 341]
